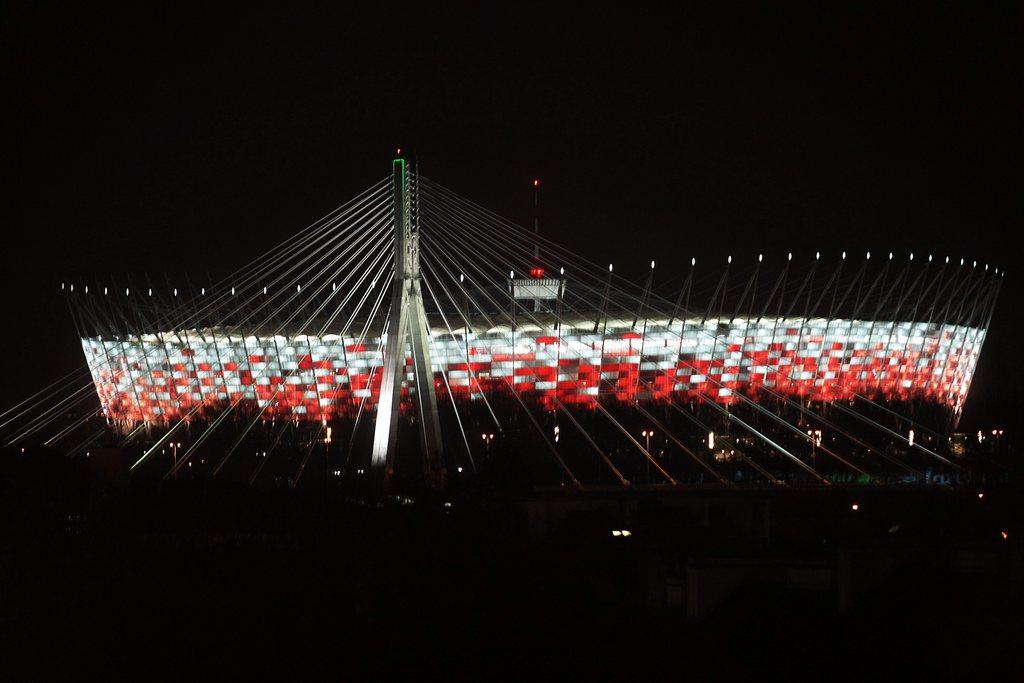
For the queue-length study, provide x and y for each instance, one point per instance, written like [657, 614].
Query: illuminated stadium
[410, 285]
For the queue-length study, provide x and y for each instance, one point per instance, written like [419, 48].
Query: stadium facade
[164, 377]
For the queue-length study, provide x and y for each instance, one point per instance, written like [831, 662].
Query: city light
[748, 561]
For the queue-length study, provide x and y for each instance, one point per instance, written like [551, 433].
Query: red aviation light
[537, 272]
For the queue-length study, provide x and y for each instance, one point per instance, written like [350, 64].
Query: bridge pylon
[407, 329]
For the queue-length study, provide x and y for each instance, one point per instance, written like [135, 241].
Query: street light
[647, 434]
[998, 433]
[174, 447]
[815, 436]
[327, 458]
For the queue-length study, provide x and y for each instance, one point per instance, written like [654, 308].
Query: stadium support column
[408, 323]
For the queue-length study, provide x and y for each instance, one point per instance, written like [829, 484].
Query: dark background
[177, 141]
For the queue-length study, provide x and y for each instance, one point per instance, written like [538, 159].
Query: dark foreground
[193, 581]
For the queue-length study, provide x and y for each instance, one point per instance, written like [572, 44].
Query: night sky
[162, 141]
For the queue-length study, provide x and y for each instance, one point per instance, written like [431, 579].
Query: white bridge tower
[407, 328]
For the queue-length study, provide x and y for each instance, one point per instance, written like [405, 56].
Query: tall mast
[407, 329]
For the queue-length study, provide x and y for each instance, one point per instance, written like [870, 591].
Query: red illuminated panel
[318, 379]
